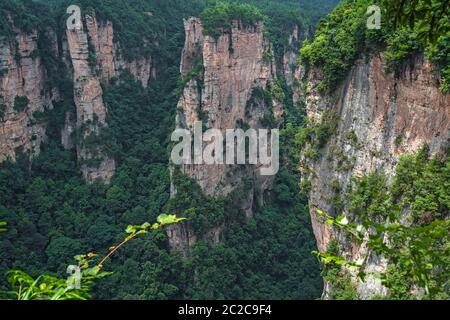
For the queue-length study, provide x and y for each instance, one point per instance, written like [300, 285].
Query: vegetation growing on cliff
[342, 37]
[313, 137]
[338, 41]
[141, 26]
[53, 214]
[280, 19]
[439, 54]
[342, 286]
[423, 185]
[413, 235]
[21, 103]
[370, 197]
[25, 15]
[219, 18]
[2, 111]
[256, 268]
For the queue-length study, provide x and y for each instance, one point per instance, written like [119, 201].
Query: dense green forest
[407, 29]
[53, 215]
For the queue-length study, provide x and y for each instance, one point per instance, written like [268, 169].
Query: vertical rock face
[93, 58]
[22, 74]
[97, 42]
[375, 109]
[91, 110]
[101, 37]
[232, 66]
[290, 56]
[109, 60]
[193, 46]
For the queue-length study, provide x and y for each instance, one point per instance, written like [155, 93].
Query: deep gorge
[86, 117]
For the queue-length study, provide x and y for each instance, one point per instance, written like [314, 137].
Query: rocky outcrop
[193, 45]
[291, 55]
[22, 74]
[92, 58]
[91, 110]
[231, 67]
[96, 42]
[110, 61]
[380, 117]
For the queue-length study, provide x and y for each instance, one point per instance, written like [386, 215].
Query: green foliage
[314, 137]
[204, 212]
[429, 19]
[2, 112]
[51, 288]
[371, 198]
[276, 89]
[25, 15]
[417, 250]
[401, 45]
[398, 140]
[342, 287]
[195, 73]
[280, 19]
[419, 253]
[408, 28]
[140, 26]
[43, 288]
[264, 257]
[423, 185]
[53, 214]
[338, 41]
[339, 280]
[47, 287]
[439, 54]
[219, 18]
[21, 103]
[259, 96]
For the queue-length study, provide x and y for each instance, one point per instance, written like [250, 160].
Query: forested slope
[53, 214]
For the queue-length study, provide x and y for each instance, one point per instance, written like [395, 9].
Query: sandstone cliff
[92, 58]
[91, 110]
[22, 74]
[233, 65]
[222, 95]
[379, 118]
[109, 57]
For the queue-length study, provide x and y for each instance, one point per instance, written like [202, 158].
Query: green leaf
[165, 219]
[342, 221]
[131, 229]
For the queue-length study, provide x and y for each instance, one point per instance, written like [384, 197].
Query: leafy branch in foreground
[136, 230]
[2, 226]
[422, 253]
[45, 287]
